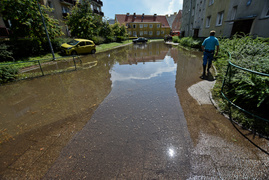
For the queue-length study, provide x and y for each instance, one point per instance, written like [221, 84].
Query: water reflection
[27, 105]
[143, 70]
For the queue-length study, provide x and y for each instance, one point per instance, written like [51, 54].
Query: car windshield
[73, 42]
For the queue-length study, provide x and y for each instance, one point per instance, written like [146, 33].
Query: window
[88, 43]
[65, 9]
[158, 33]
[208, 19]
[150, 33]
[162, 32]
[145, 25]
[158, 25]
[50, 4]
[219, 18]
[141, 25]
[134, 26]
[211, 2]
[82, 43]
[192, 13]
[141, 33]
[150, 26]
[130, 33]
[134, 33]
[233, 13]
[249, 2]
[145, 32]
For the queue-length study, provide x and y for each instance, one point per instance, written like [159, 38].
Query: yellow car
[78, 46]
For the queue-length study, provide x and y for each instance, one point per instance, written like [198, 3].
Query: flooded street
[125, 114]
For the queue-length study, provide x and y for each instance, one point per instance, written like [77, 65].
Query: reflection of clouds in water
[143, 71]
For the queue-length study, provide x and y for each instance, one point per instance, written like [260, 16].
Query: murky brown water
[130, 104]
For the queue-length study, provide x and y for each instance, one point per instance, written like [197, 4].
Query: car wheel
[93, 51]
[74, 53]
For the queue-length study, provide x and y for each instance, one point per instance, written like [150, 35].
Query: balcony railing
[98, 12]
[98, 2]
[68, 2]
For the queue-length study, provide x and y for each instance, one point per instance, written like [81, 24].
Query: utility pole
[51, 48]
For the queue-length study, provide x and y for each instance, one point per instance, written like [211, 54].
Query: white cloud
[163, 6]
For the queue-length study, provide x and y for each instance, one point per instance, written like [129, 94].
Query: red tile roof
[125, 18]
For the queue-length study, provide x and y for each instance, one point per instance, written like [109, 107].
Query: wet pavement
[129, 116]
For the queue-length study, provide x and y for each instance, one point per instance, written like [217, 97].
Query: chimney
[126, 17]
[134, 16]
[154, 17]
[142, 17]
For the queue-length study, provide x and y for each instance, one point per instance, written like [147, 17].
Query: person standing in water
[208, 48]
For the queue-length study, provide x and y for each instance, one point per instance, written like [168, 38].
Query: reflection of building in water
[150, 52]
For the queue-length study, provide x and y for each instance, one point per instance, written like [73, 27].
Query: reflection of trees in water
[31, 104]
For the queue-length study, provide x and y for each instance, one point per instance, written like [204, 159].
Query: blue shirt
[210, 43]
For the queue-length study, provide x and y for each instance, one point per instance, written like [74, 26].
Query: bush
[247, 90]
[189, 42]
[98, 40]
[110, 39]
[56, 44]
[6, 53]
[120, 38]
[175, 39]
[8, 73]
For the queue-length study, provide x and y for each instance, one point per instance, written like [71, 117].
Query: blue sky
[161, 7]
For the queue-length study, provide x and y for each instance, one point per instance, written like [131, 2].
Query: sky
[148, 7]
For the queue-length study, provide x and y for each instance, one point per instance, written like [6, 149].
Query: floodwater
[124, 114]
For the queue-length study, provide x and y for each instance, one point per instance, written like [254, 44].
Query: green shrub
[110, 39]
[98, 40]
[175, 39]
[7, 73]
[190, 42]
[6, 53]
[120, 38]
[245, 89]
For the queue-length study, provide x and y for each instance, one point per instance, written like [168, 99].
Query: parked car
[141, 39]
[78, 46]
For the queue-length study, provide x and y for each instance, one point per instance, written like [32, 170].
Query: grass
[25, 62]
[104, 47]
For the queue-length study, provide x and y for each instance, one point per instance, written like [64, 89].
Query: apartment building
[61, 8]
[170, 18]
[199, 14]
[149, 26]
[216, 12]
[176, 25]
[226, 17]
[248, 16]
[187, 17]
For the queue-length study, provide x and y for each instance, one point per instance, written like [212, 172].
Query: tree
[25, 19]
[106, 31]
[82, 22]
[119, 30]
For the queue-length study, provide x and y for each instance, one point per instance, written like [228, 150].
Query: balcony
[98, 12]
[98, 2]
[67, 2]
